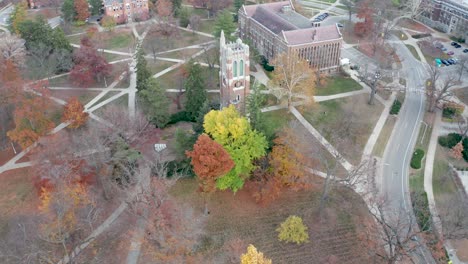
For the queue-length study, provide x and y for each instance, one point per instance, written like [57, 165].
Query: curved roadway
[394, 184]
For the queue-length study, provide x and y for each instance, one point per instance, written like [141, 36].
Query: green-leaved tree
[255, 101]
[156, 103]
[17, 17]
[143, 73]
[234, 133]
[194, 89]
[68, 10]
[225, 22]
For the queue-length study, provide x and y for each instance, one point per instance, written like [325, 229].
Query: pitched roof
[271, 16]
[309, 35]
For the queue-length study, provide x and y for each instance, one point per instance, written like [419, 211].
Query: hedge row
[395, 107]
[180, 116]
[418, 36]
[417, 158]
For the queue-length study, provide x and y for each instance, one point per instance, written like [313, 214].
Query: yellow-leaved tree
[234, 133]
[293, 230]
[253, 256]
[292, 77]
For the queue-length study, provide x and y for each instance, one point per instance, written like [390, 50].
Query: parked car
[458, 46]
[443, 49]
[445, 62]
[452, 61]
[339, 25]
[453, 43]
[450, 53]
[465, 51]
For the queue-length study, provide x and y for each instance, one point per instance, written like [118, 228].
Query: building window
[235, 69]
[241, 70]
[238, 98]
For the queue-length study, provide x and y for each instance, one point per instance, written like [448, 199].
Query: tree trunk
[326, 188]
[372, 96]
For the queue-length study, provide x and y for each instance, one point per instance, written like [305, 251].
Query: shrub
[180, 116]
[266, 66]
[395, 107]
[457, 39]
[417, 158]
[421, 210]
[418, 36]
[451, 140]
[293, 230]
[449, 112]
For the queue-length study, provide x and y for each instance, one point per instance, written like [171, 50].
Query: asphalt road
[395, 179]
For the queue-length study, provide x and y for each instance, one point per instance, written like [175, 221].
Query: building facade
[450, 16]
[234, 73]
[127, 10]
[274, 28]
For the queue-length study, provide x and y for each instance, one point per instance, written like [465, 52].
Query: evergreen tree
[68, 10]
[238, 4]
[184, 17]
[225, 22]
[17, 17]
[143, 73]
[39, 31]
[177, 6]
[194, 89]
[156, 103]
[95, 6]
[198, 125]
[255, 102]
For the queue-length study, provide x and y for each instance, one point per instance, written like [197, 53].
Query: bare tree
[195, 21]
[12, 48]
[46, 61]
[395, 230]
[350, 6]
[437, 89]
[462, 66]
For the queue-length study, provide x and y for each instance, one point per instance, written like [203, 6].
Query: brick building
[127, 10]
[274, 28]
[234, 73]
[450, 16]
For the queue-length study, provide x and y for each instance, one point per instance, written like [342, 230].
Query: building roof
[276, 17]
[310, 35]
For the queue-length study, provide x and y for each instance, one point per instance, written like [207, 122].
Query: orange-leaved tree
[210, 161]
[74, 112]
[292, 77]
[30, 116]
[82, 10]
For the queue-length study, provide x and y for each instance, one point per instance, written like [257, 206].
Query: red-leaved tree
[74, 112]
[82, 10]
[89, 65]
[364, 12]
[210, 161]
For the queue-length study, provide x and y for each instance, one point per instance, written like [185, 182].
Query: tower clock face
[238, 84]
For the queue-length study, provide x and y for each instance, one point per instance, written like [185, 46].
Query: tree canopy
[194, 89]
[209, 161]
[243, 143]
[253, 256]
[293, 230]
[225, 22]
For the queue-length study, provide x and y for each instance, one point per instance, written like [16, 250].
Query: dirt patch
[461, 246]
[237, 216]
[411, 24]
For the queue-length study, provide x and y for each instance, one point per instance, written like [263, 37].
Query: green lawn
[339, 84]
[119, 40]
[384, 136]
[351, 116]
[272, 122]
[413, 51]
[207, 26]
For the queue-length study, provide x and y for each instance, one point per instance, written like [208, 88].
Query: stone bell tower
[234, 73]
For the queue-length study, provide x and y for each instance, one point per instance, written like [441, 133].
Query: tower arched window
[235, 69]
[241, 68]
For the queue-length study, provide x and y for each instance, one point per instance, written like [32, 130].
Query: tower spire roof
[222, 39]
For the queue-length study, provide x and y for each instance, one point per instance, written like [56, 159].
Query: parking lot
[453, 49]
